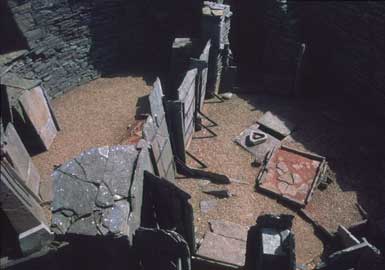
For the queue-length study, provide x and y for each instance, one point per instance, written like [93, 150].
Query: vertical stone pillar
[216, 20]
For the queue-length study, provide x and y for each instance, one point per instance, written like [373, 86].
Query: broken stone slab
[104, 197]
[277, 124]
[229, 229]
[120, 168]
[60, 223]
[92, 164]
[297, 184]
[115, 218]
[206, 206]
[219, 193]
[222, 249]
[84, 226]
[346, 237]
[73, 194]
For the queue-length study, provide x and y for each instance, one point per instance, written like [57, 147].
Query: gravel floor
[99, 113]
[222, 155]
[92, 115]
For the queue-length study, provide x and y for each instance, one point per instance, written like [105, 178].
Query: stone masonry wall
[70, 42]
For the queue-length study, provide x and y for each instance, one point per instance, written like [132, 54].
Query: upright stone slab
[19, 157]
[23, 211]
[187, 95]
[37, 110]
[155, 131]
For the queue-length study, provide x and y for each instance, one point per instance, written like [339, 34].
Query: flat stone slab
[229, 229]
[291, 174]
[278, 124]
[260, 150]
[92, 192]
[223, 249]
[206, 206]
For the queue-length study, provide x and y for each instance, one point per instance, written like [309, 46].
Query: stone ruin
[118, 206]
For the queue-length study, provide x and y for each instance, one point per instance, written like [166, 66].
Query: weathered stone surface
[119, 169]
[223, 249]
[20, 158]
[35, 239]
[104, 197]
[60, 223]
[260, 150]
[206, 206]
[229, 229]
[271, 121]
[115, 217]
[9, 57]
[46, 191]
[93, 164]
[18, 202]
[36, 108]
[272, 240]
[84, 226]
[70, 193]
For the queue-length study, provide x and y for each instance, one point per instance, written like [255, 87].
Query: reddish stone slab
[223, 249]
[291, 174]
[36, 108]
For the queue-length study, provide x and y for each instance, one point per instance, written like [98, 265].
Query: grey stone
[120, 168]
[206, 206]
[115, 218]
[229, 229]
[93, 163]
[60, 223]
[73, 194]
[84, 226]
[35, 239]
[20, 158]
[272, 240]
[104, 197]
[260, 150]
[72, 168]
[14, 80]
[282, 126]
